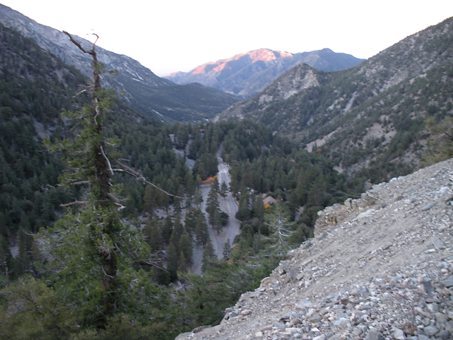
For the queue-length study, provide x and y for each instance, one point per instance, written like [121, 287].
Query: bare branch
[107, 160]
[64, 205]
[80, 92]
[97, 38]
[75, 42]
[79, 183]
[152, 264]
[130, 171]
[109, 276]
[117, 202]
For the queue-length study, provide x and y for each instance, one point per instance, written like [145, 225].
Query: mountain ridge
[370, 115]
[144, 91]
[246, 74]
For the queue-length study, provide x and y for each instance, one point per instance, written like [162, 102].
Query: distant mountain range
[249, 73]
[383, 116]
[139, 87]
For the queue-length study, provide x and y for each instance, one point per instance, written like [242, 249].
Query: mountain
[249, 73]
[139, 87]
[356, 279]
[382, 117]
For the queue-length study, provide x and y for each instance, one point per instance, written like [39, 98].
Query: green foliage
[30, 309]
[106, 277]
[34, 87]
[441, 147]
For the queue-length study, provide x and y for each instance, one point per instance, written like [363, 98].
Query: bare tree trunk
[100, 190]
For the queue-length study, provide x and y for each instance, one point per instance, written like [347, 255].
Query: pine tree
[209, 257]
[223, 189]
[185, 246]
[172, 261]
[226, 250]
[243, 209]
[95, 250]
[213, 208]
[281, 229]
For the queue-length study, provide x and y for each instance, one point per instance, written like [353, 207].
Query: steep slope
[35, 87]
[379, 267]
[138, 86]
[372, 115]
[249, 73]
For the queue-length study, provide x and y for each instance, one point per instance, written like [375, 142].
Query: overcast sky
[178, 35]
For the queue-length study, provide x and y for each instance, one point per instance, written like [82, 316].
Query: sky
[178, 35]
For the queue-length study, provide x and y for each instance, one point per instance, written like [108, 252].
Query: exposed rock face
[379, 267]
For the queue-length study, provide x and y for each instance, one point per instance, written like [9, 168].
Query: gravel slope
[379, 267]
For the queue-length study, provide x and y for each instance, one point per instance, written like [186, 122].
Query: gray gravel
[379, 267]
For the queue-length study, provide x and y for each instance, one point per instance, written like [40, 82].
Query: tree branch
[75, 42]
[134, 173]
[107, 160]
[64, 205]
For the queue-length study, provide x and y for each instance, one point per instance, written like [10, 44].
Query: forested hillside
[74, 266]
[380, 119]
[35, 88]
[156, 98]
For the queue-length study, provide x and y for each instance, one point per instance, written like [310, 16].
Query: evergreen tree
[185, 246]
[223, 189]
[209, 258]
[226, 250]
[243, 209]
[153, 235]
[280, 228]
[213, 208]
[172, 261]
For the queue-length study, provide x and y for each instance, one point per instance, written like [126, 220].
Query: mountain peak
[246, 74]
[264, 54]
[369, 118]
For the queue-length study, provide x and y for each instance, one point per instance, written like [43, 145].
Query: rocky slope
[138, 86]
[249, 73]
[373, 116]
[379, 267]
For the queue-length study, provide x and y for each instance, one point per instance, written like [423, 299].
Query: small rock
[437, 243]
[259, 334]
[430, 330]
[450, 314]
[433, 307]
[341, 322]
[398, 334]
[427, 286]
[448, 282]
[357, 332]
[315, 317]
[374, 335]
[444, 335]
[427, 206]
[422, 337]
[305, 303]
[246, 312]
[320, 337]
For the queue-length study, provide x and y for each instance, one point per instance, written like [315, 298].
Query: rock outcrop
[379, 267]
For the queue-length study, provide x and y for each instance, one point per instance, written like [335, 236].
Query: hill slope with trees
[156, 98]
[379, 119]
